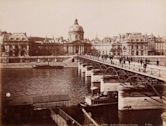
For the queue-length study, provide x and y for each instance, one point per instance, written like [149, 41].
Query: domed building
[77, 44]
[76, 32]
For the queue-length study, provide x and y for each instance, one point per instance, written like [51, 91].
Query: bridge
[131, 76]
[152, 71]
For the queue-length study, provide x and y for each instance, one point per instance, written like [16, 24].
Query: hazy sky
[98, 17]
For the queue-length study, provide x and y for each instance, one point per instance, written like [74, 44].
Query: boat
[47, 66]
[94, 100]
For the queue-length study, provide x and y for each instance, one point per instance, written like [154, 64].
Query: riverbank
[31, 64]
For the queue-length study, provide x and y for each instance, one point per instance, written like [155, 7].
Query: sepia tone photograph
[82, 62]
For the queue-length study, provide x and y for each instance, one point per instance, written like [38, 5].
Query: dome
[76, 27]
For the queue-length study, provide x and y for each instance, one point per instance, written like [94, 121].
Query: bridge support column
[88, 71]
[109, 84]
[96, 76]
[79, 68]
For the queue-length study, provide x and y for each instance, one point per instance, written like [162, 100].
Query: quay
[30, 61]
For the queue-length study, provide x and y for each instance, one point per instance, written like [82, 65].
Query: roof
[36, 39]
[16, 37]
[76, 27]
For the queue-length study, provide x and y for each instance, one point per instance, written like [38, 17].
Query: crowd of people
[123, 60]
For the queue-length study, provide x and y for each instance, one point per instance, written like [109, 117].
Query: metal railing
[157, 72]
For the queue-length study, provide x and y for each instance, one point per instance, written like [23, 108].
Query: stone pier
[109, 84]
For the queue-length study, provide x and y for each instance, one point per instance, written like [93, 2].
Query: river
[27, 82]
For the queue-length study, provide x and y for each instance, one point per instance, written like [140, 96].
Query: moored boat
[92, 101]
[47, 66]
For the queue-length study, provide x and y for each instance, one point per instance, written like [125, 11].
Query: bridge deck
[153, 71]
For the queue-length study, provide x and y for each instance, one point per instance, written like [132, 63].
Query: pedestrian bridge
[154, 72]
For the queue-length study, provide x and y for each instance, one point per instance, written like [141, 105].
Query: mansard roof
[16, 37]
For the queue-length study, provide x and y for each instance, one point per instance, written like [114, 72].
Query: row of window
[18, 39]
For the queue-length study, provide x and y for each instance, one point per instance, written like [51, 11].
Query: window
[136, 46]
[132, 47]
[136, 52]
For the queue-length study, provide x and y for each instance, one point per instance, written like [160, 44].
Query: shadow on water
[25, 115]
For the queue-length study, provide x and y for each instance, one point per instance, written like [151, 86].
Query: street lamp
[8, 94]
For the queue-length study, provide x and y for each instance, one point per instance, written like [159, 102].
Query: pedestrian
[141, 62]
[129, 61]
[123, 61]
[157, 62]
[146, 61]
[145, 65]
[120, 60]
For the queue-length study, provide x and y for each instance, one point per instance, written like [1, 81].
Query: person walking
[129, 61]
[145, 66]
[157, 62]
[141, 62]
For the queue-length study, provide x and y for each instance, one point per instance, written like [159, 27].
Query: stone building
[76, 32]
[130, 44]
[103, 46]
[45, 46]
[16, 44]
[133, 44]
[76, 44]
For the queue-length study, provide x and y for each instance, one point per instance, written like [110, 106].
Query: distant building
[130, 44]
[46, 46]
[77, 44]
[76, 32]
[16, 44]
[102, 46]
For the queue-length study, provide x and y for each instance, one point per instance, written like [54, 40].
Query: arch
[136, 81]
[111, 71]
[122, 75]
[96, 65]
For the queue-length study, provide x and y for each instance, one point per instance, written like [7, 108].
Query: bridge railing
[154, 71]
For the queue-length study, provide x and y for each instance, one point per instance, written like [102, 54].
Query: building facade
[103, 47]
[77, 44]
[16, 44]
[19, 45]
[130, 44]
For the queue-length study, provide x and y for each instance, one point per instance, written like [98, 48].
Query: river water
[27, 83]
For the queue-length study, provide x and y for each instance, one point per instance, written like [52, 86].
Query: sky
[101, 18]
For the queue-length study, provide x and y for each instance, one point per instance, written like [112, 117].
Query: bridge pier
[96, 76]
[109, 84]
[81, 69]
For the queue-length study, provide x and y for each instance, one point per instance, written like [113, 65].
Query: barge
[102, 100]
